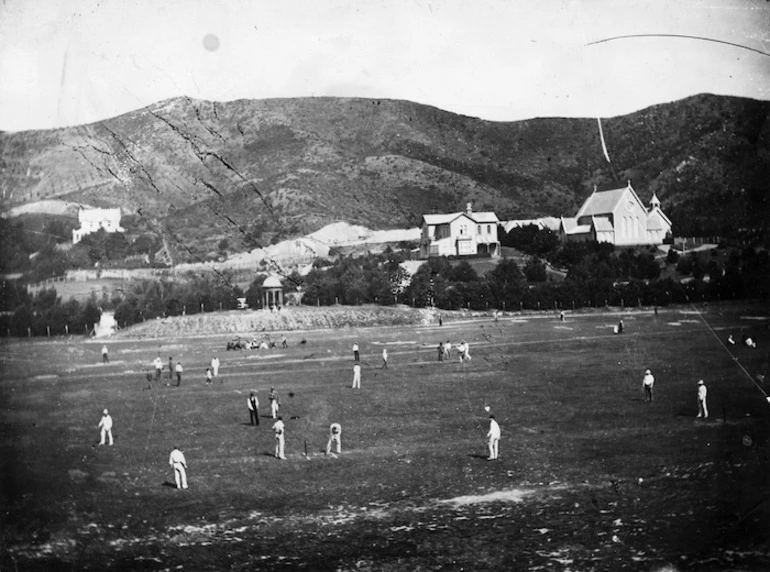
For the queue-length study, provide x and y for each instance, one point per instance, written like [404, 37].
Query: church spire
[654, 202]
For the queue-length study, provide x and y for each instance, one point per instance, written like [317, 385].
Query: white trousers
[493, 442]
[356, 380]
[105, 433]
[279, 443]
[180, 476]
[334, 439]
[274, 408]
[703, 410]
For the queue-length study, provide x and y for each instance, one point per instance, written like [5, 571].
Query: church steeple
[654, 202]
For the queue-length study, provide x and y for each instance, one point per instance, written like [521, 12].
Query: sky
[78, 61]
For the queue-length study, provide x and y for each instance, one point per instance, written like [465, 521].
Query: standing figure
[278, 429]
[208, 376]
[177, 461]
[106, 426]
[357, 376]
[647, 383]
[356, 356]
[440, 320]
[215, 366]
[561, 316]
[158, 363]
[335, 436]
[275, 403]
[170, 368]
[253, 405]
[703, 410]
[493, 436]
[178, 369]
[283, 341]
[620, 327]
[105, 354]
[441, 351]
[466, 354]
[447, 351]
[461, 351]
[384, 358]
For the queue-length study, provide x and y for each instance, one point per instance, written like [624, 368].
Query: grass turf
[412, 488]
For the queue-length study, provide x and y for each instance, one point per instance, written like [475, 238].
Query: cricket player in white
[278, 428]
[703, 410]
[176, 459]
[647, 384]
[106, 426]
[275, 403]
[335, 436]
[158, 365]
[494, 438]
[357, 376]
[215, 366]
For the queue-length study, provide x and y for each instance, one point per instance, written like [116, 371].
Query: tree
[506, 284]
[535, 270]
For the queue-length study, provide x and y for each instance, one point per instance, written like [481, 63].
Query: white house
[619, 217]
[459, 234]
[92, 220]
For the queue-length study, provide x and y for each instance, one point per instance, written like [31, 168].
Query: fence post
[48, 330]
[66, 329]
[29, 332]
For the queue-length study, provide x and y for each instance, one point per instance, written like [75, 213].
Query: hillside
[255, 172]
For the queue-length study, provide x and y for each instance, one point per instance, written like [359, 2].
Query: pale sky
[69, 62]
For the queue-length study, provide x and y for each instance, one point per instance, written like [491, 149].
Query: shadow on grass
[477, 456]
[169, 484]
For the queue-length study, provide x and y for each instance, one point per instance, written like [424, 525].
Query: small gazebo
[272, 292]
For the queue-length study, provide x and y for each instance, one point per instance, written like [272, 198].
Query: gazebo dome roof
[272, 282]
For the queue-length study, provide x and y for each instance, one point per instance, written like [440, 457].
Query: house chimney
[468, 209]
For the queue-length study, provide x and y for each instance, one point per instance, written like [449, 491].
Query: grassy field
[591, 477]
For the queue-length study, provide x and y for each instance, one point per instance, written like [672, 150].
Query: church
[619, 217]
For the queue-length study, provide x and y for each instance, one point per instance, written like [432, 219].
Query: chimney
[468, 208]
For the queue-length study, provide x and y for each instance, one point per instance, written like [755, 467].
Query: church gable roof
[570, 226]
[605, 202]
[602, 224]
[660, 216]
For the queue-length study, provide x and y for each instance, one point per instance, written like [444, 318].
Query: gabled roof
[661, 214]
[571, 226]
[604, 202]
[477, 217]
[602, 224]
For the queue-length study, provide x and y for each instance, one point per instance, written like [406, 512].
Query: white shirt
[355, 347]
[106, 422]
[357, 369]
[278, 428]
[178, 368]
[214, 363]
[256, 403]
[338, 428]
[104, 349]
[648, 380]
[177, 456]
[385, 355]
[702, 391]
[158, 363]
[494, 429]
